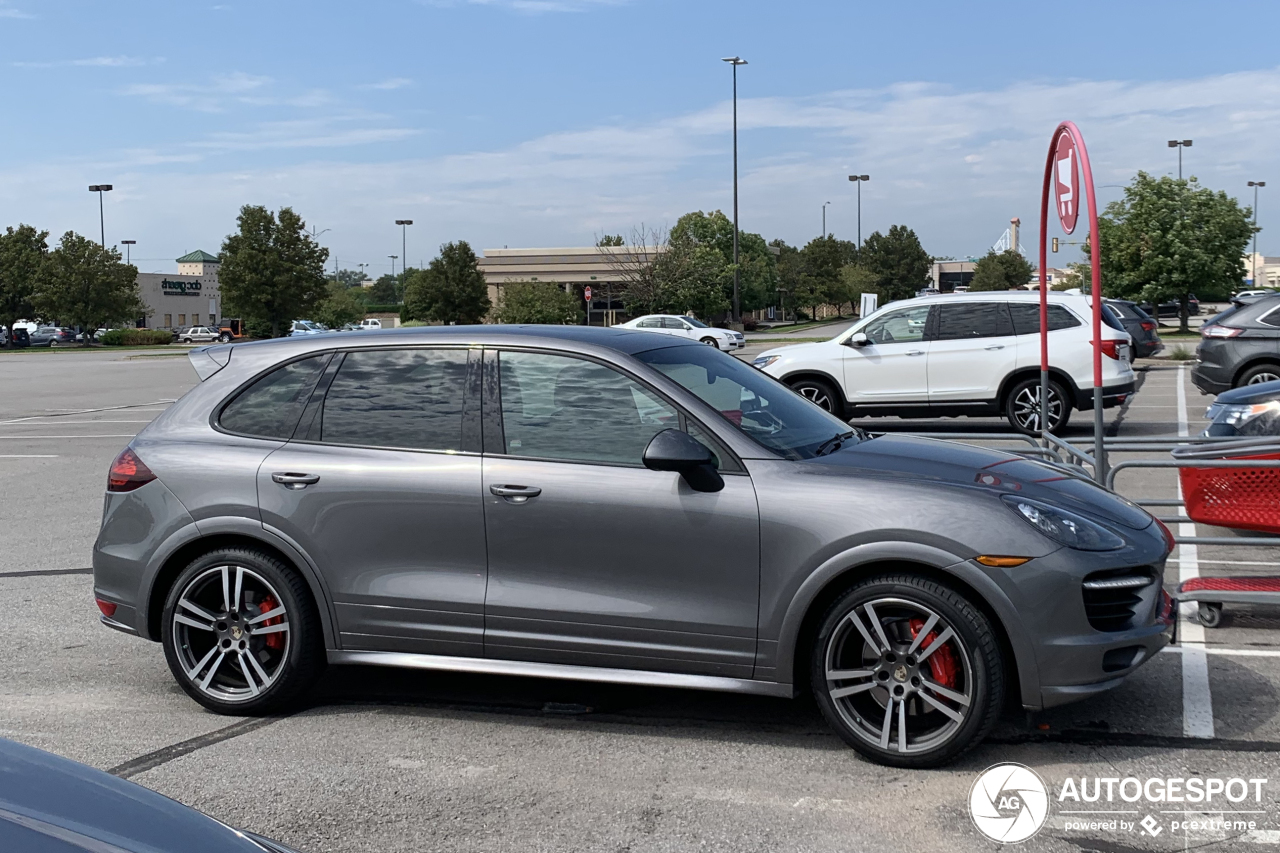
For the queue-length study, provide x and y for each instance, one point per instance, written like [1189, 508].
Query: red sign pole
[1066, 150]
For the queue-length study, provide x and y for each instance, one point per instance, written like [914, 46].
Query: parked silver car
[616, 506]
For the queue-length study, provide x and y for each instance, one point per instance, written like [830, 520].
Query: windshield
[697, 324]
[757, 405]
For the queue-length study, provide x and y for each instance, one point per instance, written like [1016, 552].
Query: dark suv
[1240, 346]
[1140, 326]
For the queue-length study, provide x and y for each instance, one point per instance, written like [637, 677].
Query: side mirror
[673, 450]
[859, 340]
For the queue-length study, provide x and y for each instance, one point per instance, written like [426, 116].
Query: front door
[594, 559]
[972, 351]
[891, 366]
[379, 489]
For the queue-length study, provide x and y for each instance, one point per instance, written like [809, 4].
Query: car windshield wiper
[831, 445]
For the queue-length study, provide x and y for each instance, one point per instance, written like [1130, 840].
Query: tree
[820, 264]
[537, 302]
[636, 271]
[86, 285]
[611, 240]
[384, 290]
[757, 269]
[789, 263]
[272, 270]
[898, 261]
[1169, 238]
[349, 278]
[341, 306]
[22, 257]
[1006, 270]
[450, 290]
[855, 281]
[690, 278]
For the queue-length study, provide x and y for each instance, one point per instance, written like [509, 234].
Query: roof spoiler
[209, 360]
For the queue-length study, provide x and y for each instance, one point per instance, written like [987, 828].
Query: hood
[789, 350]
[73, 807]
[1263, 392]
[965, 466]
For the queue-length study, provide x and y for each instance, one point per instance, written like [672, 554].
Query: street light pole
[1180, 144]
[128, 243]
[824, 217]
[735, 61]
[858, 179]
[1255, 185]
[404, 227]
[102, 222]
[393, 264]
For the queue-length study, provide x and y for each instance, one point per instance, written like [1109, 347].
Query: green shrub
[1181, 353]
[135, 337]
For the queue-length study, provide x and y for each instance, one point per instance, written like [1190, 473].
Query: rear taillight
[128, 472]
[1148, 326]
[1216, 331]
[1111, 349]
[108, 608]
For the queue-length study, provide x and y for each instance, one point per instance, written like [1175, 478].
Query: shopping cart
[1219, 487]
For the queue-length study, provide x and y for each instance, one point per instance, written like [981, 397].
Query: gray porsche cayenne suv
[616, 506]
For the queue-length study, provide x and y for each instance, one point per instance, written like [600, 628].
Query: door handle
[515, 494]
[995, 346]
[294, 481]
[916, 352]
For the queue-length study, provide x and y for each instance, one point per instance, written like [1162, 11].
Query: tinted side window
[397, 398]
[672, 323]
[974, 320]
[270, 407]
[651, 323]
[555, 407]
[1026, 318]
[1270, 318]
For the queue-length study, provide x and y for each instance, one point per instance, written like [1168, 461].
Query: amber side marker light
[1002, 562]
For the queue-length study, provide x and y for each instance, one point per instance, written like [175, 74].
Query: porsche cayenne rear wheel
[241, 632]
[907, 671]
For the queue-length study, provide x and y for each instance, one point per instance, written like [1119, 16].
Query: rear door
[892, 366]
[973, 350]
[381, 487]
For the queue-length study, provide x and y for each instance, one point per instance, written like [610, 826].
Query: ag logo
[1009, 803]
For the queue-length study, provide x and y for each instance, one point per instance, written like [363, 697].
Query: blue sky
[549, 122]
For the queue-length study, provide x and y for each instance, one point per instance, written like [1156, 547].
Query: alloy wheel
[816, 395]
[1259, 378]
[899, 676]
[231, 633]
[1026, 408]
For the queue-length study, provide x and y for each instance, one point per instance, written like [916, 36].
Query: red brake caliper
[276, 641]
[942, 663]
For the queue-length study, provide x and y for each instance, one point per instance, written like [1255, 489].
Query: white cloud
[207, 97]
[389, 83]
[7, 11]
[953, 164]
[93, 62]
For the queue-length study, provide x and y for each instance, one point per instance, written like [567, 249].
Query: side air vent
[1113, 600]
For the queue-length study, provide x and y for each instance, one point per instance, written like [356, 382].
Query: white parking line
[1197, 701]
[65, 423]
[135, 406]
[33, 437]
[28, 456]
[1216, 650]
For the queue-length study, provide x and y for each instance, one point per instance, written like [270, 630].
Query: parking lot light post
[393, 264]
[824, 217]
[1254, 275]
[1180, 144]
[735, 61]
[127, 244]
[102, 222]
[404, 227]
[858, 179]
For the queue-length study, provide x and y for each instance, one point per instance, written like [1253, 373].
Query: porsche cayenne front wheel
[241, 632]
[907, 671]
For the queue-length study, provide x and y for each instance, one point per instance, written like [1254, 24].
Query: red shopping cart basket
[1238, 497]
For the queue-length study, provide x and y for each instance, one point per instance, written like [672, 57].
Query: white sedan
[687, 327]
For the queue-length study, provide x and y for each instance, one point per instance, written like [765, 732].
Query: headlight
[764, 361]
[1065, 527]
[1237, 415]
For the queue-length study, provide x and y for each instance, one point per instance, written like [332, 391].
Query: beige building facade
[190, 298]
[602, 268]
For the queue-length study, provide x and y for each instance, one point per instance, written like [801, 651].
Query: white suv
[687, 327]
[961, 354]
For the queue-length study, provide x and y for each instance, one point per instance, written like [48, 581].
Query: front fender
[865, 558]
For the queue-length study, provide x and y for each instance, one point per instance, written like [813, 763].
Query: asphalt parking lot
[392, 761]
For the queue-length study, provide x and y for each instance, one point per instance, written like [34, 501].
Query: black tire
[225, 338]
[1259, 373]
[291, 652]
[971, 659]
[711, 342]
[186, 340]
[1209, 614]
[1022, 406]
[821, 393]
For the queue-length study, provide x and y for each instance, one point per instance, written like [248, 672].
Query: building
[602, 268]
[947, 275]
[1268, 271]
[190, 298]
